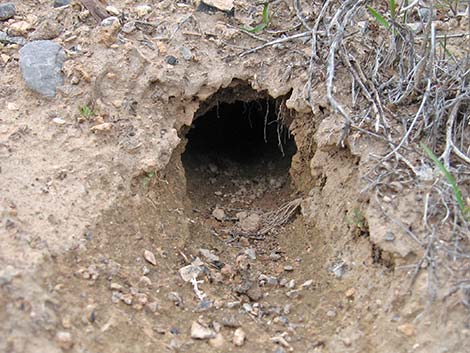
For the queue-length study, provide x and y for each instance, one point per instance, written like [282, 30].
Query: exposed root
[279, 217]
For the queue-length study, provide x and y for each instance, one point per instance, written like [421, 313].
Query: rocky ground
[136, 215]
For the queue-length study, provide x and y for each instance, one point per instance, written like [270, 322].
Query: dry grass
[409, 85]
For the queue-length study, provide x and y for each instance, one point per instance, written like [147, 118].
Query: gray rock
[41, 64]
[251, 253]
[7, 275]
[109, 21]
[268, 280]
[211, 257]
[7, 39]
[218, 214]
[231, 321]
[290, 284]
[186, 53]
[247, 307]
[389, 236]
[7, 10]
[60, 3]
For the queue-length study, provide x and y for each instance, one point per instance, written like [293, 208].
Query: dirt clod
[407, 329]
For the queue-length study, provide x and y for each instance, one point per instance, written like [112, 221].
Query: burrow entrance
[239, 151]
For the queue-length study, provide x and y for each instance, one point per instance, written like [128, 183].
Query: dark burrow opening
[239, 144]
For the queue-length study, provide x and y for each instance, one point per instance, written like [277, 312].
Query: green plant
[86, 111]
[149, 176]
[263, 24]
[450, 178]
[358, 220]
[381, 19]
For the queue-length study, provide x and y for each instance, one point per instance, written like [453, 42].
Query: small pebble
[239, 337]
[287, 309]
[170, 59]
[127, 298]
[150, 257]
[64, 340]
[290, 284]
[200, 332]
[350, 293]
[142, 10]
[61, 3]
[175, 298]
[281, 320]
[186, 53]
[288, 268]
[218, 214]
[59, 121]
[116, 286]
[389, 236]
[247, 307]
[230, 321]
[232, 305]
[209, 255]
[347, 342]
[251, 253]
[331, 313]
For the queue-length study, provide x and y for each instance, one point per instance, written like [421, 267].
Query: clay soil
[191, 151]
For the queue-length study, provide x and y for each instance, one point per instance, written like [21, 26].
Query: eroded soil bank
[202, 204]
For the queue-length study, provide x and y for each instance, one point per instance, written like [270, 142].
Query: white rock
[239, 337]
[59, 121]
[200, 332]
